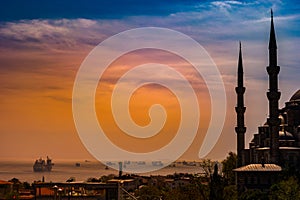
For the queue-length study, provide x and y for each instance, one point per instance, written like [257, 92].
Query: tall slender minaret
[240, 109]
[273, 96]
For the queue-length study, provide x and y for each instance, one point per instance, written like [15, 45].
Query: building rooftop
[5, 182]
[258, 167]
[290, 148]
[296, 96]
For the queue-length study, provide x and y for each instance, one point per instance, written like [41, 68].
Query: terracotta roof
[258, 167]
[5, 182]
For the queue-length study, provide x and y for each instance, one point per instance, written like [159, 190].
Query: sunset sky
[43, 43]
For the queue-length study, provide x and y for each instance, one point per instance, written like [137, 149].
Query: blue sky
[39, 40]
[93, 9]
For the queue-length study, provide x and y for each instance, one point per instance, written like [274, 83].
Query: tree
[207, 166]
[148, 193]
[228, 165]
[26, 185]
[286, 190]
[216, 185]
[105, 178]
[254, 194]
[230, 192]
[195, 191]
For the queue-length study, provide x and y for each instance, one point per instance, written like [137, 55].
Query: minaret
[240, 109]
[273, 96]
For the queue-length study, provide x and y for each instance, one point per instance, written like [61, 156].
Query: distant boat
[77, 164]
[141, 162]
[41, 165]
[110, 163]
[173, 164]
[157, 163]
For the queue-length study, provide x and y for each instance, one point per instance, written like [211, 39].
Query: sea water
[63, 170]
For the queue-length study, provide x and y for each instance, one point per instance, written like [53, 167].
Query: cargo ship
[42, 165]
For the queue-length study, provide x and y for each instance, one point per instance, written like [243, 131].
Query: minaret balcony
[240, 90]
[240, 130]
[240, 109]
[273, 95]
[273, 70]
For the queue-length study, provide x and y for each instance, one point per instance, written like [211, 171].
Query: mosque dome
[296, 96]
[284, 135]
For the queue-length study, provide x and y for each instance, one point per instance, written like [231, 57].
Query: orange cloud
[148, 95]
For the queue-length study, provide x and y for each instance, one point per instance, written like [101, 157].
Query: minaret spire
[240, 109]
[240, 68]
[272, 44]
[273, 96]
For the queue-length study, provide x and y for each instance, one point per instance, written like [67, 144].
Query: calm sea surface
[63, 170]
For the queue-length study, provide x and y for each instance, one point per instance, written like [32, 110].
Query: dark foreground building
[76, 190]
[277, 143]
